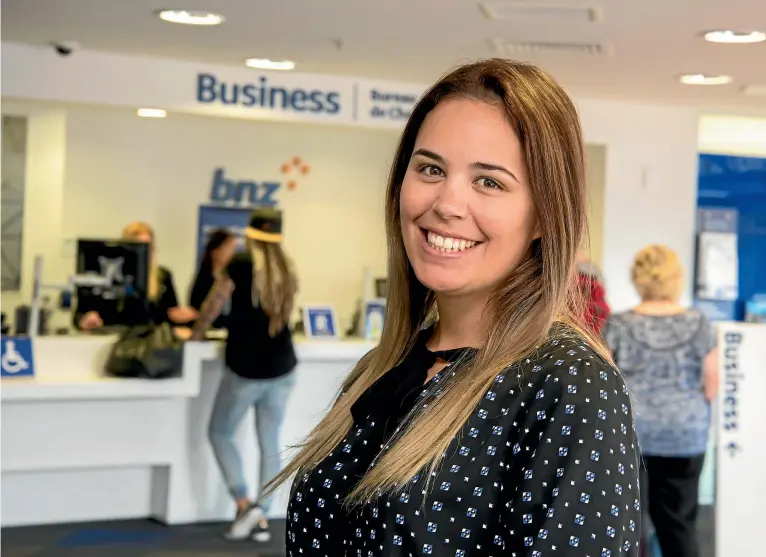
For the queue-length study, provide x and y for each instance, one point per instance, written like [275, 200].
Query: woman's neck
[659, 307]
[460, 322]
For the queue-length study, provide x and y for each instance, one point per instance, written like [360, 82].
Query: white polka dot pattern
[545, 466]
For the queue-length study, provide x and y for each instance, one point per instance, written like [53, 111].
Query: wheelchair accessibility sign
[16, 358]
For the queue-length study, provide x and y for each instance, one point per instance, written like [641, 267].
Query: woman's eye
[431, 170]
[489, 183]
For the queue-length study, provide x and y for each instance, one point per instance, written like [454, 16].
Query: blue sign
[320, 322]
[16, 357]
[211, 218]
[242, 192]
[261, 94]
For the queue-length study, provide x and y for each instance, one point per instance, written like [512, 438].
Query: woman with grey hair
[260, 359]
[667, 353]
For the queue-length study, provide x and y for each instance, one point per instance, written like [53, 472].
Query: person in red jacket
[590, 281]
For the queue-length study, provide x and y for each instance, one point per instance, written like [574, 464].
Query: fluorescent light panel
[191, 17]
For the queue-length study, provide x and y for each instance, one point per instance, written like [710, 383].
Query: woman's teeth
[449, 244]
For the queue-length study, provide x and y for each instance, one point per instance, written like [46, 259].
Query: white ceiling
[416, 40]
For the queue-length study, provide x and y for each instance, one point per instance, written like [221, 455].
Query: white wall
[43, 196]
[733, 135]
[596, 191]
[651, 185]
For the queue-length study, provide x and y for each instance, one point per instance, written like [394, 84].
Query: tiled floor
[146, 538]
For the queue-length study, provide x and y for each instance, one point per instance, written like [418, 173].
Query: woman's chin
[441, 284]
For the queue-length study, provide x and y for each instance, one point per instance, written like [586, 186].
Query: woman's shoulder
[571, 366]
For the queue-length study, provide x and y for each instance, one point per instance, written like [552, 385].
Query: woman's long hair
[274, 283]
[217, 238]
[539, 293]
[132, 232]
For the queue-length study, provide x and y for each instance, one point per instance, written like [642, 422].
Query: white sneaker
[245, 524]
[262, 533]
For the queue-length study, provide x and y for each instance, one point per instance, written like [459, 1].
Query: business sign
[741, 415]
[225, 190]
[16, 357]
[261, 93]
[190, 87]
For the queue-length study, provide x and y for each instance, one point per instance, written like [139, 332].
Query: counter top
[71, 368]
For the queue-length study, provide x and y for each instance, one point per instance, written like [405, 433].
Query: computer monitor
[123, 267]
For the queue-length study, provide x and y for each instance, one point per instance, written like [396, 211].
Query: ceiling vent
[507, 48]
[540, 10]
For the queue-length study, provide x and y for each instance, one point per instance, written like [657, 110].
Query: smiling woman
[487, 421]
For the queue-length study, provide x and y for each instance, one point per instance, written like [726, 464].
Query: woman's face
[467, 213]
[143, 237]
[223, 253]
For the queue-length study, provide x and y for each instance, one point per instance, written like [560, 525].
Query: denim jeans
[235, 395]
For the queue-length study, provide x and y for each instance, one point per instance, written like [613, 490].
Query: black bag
[146, 352]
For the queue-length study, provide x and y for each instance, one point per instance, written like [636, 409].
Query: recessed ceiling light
[191, 17]
[266, 64]
[151, 113]
[735, 37]
[702, 79]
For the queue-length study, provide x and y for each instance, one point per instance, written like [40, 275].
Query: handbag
[146, 352]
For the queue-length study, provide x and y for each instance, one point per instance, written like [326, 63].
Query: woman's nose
[451, 203]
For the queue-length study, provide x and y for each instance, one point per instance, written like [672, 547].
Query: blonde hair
[132, 232]
[657, 274]
[274, 283]
[523, 310]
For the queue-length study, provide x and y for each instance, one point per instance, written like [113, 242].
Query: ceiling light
[191, 17]
[266, 64]
[735, 37]
[151, 113]
[701, 79]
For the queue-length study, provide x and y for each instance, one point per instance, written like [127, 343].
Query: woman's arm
[212, 306]
[706, 346]
[710, 374]
[168, 303]
[572, 482]
[86, 316]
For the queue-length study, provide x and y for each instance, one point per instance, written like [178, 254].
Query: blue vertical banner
[212, 217]
[734, 185]
[16, 357]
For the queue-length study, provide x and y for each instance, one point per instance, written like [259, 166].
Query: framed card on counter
[320, 322]
[374, 316]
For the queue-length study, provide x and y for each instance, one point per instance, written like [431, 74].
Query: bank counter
[79, 446]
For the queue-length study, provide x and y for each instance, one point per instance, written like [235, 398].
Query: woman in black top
[219, 250]
[488, 421]
[93, 312]
[261, 285]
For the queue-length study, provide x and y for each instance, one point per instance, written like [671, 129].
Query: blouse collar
[389, 391]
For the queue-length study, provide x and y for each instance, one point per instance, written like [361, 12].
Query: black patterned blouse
[545, 466]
